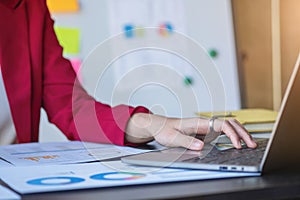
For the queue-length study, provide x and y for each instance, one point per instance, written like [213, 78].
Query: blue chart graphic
[117, 176]
[55, 181]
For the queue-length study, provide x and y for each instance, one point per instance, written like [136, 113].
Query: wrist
[138, 128]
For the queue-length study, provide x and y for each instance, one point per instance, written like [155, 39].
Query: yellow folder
[254, 120]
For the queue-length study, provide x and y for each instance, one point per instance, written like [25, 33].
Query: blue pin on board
[129, 30]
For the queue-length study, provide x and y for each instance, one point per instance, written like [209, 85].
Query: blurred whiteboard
[208, 23]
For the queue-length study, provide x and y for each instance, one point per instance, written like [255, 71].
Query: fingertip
[196, 145]
[238, 145]
[253, 144]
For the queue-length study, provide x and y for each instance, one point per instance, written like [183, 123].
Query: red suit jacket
[36, 75]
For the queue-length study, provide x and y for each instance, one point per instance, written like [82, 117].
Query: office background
[239, 35]
[208, 23]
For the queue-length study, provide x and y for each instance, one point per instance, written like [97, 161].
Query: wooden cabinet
[256, 50]
[290, 37]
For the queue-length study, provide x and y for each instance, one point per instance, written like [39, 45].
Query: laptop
[280, 151]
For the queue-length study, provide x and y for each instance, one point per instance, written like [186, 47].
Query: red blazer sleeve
[68, 105]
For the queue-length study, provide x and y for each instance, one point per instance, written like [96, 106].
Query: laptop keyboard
[244, 156]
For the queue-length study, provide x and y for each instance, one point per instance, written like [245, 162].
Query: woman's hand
[175, 132]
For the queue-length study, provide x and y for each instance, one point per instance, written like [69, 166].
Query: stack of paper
[49, 178]
[254, 120]
[67, 166]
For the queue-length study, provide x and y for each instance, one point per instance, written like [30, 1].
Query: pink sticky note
[76, 63]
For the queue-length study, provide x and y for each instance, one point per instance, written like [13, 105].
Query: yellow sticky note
[58, 6]
[68, 39]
